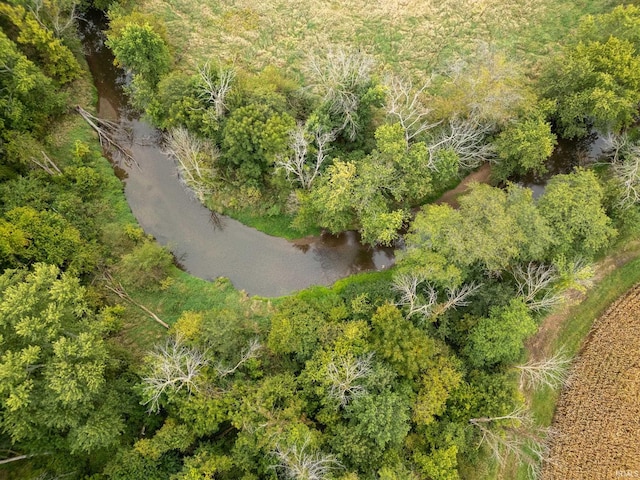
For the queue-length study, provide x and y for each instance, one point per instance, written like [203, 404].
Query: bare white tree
[343, 374]
[195, 159]
[551, 372]
[407, 285]
[252, 351]
[215, 85]
[18, 457]
[535, 285]
[628, 173]
[337, 77]
[625, 164]
[457, 297]
[467, 138]
[407, 105]
[47, 164]
[301, 165]
[515, 435]
[581, 273]
[500, 442]
[614, 145]
[59, 15]
[172, 367]
[299, 463]
[110, 134]
[427, 306]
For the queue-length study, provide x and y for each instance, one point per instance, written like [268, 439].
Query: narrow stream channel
[205, 245]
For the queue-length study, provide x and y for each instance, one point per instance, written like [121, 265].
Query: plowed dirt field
[597, 419]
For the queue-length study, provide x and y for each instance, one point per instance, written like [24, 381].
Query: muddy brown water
[205, 245]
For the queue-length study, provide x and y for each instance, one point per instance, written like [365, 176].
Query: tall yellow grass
[412, 36]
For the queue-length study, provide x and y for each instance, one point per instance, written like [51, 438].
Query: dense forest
[116, 365]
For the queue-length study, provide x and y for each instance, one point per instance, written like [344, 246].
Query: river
[205, 245]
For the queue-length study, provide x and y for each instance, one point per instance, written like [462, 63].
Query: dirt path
[598, 415]
[482, 175]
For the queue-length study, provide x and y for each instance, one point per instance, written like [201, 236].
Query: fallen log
[118, 289]
[108, 132]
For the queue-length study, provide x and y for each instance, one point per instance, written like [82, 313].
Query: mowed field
[413, 37]
[597, 419]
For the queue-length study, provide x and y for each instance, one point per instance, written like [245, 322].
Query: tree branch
[248, 354]
[119, 290]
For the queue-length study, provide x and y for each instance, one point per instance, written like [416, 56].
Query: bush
[146, 266]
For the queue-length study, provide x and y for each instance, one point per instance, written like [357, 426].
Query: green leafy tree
[49, 237]
[131, 465]
[414, 170]
[492, 227]
[523, 146]
[441, 464]
[622, 22]
[171, 436]
[420, 358]
[27, 97]
[19, 150]
[407, 348]
[361, 195]
[205, 463]
[436, 385]
[145, 266]
[426, 253]
[572, 206]
[253, 137]
[12, 241]
[377, 424]
[596, 80]
[178, 103]
[297, 326]
[489, 234]
[141, 49]
[499, 338]
[330, 203]
[54, 393]
[57, 60]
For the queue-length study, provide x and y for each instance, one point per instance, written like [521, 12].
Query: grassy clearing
[407, 35]
[180, 293]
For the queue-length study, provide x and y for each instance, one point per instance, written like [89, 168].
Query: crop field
[598, 416]
[410, 36]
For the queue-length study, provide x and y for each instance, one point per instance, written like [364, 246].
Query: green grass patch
[183, 292]
[274, 225]
[179, 293]
[362, 279]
